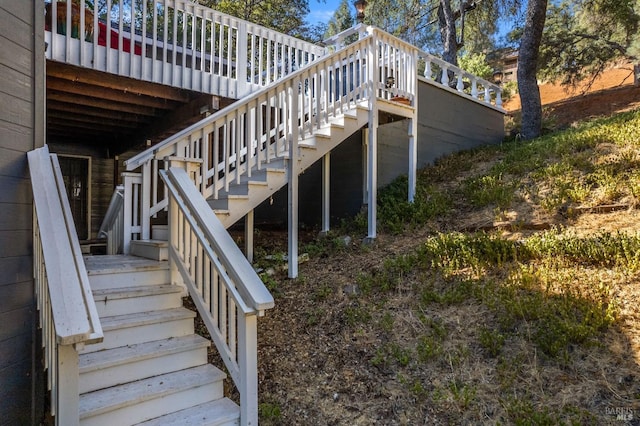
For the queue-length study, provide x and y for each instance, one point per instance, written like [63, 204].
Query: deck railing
[249, 134]
[226, 290]
[68, 315]
[172, 42]
[450, 77]
[112, 228]
[434, 70]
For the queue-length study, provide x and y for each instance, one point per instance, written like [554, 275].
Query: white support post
[413, 155]
[293, 185]
[247, 365]
[372, 172]
[68, 410]
[145, 219]
[365, 179]
[372, 151]
[248, 236]
[326, 192]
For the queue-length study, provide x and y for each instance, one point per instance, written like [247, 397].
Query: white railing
[68, 315]
[254, 131]
[452, 78]
[434, 70]
[172, 42]
[223, 285]
[112, 227]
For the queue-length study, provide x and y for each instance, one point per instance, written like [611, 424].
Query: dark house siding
[447, 123]
[21, 130]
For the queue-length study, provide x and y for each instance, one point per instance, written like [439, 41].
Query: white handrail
[68, 315]
[112, 227]
[254, 131]
[225, 288]
[173, 42]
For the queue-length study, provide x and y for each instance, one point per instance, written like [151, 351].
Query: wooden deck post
[372, 151]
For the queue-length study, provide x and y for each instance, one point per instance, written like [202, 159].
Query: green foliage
[269, 411]
[476, 63]
[581, 38]
[395, 212]
[489, 190]
[491, 340]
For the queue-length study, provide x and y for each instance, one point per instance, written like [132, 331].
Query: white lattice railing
[226, 290]
[67, 312]
[173, 42]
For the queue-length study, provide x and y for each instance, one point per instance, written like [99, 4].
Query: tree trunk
[447, 25]
[528, 67]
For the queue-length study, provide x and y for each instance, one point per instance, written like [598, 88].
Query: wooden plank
[15, 269]
[15, 216]
[114, 82]
[13, 163]
[16, 137]
[20, 243]
[15, 56]
[14, 350]
[15, 83]
[76, 88]
[14, 323]
[115, 115]
[100, 103]
[19, 9]
[20, 33]
[96, 122]
[16, 296]
[15, 393]
[15, 110]
[14, 190]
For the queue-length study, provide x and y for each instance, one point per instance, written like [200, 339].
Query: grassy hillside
[506, 294]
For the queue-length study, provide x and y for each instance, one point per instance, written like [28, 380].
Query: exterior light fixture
[497, 77]
[360, 6]
[390, 82]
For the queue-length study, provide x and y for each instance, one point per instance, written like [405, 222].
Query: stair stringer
[243, 197]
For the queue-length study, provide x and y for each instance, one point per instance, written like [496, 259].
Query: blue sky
[322, 11]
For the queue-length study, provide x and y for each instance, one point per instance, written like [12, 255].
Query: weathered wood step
[222, 412]
[128, 300]
[111, 367]
[125, 271]
[142, 400]
[150, 249]
[122, 330]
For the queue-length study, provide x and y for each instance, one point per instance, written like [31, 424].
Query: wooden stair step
[222, 412]
[111, 367]
[128, 300]
[125, 271]
[136, 401]
[122, 330]
[150, 249]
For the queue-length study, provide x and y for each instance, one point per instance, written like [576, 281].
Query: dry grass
[386, 334]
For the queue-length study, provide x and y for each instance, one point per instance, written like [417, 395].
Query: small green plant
[491, 340]
[490, 190]
[269, 411]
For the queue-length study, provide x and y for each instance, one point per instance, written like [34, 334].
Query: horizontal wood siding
[21, 130]
[447, 123]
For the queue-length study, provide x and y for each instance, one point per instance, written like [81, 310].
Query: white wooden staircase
[151, 367]
[241, 198]
[120, 348]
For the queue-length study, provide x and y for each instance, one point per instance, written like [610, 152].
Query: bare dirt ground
[612, 92]
[317, 352]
